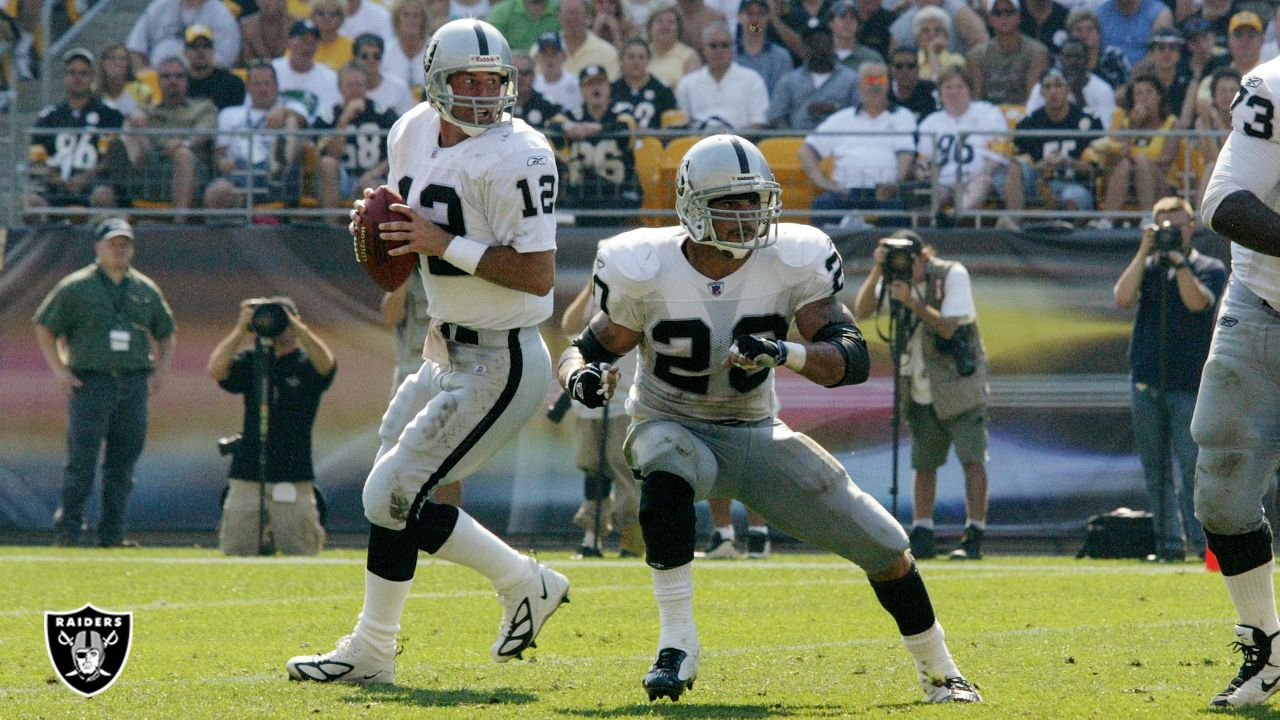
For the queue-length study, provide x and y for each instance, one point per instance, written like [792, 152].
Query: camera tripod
[901, 325]
[263, 355]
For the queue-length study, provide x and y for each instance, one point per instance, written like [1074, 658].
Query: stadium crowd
[891, 109]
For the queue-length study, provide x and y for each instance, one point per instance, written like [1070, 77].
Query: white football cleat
[1259, 676]
[719, 549]
[525, 607]
[352, 661]
[952, 688]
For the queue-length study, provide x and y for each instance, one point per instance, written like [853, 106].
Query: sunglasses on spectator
[1003, 13]
[905, 66]
[718, 45]
[876, 79]
[370, 56]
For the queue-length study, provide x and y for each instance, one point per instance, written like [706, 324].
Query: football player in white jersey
[709, 304]
[479, 190]
[1237, 419]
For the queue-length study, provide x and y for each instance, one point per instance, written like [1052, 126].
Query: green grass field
[796, 636]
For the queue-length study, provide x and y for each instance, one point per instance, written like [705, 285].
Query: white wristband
[795, 356]
[464, 254]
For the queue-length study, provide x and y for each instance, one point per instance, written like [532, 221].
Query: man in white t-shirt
[301, 78]
[868, 168]
[553, 82]
[385, 90]
[722, 93]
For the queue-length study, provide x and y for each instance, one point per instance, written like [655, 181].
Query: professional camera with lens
[1168, 237]
[269, 320]
[899, 258]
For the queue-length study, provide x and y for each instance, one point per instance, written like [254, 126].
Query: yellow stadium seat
[648, 155]
[149, 77]
[671, 157]
[798, 192]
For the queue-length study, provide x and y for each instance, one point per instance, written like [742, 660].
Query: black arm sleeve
[847, 338]
[1245, 219]
[591, 349]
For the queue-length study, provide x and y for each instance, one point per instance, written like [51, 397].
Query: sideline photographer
[944, 367]
[271, 500]
[1175, 289]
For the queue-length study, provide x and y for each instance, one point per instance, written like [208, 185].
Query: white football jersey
[1250, 160]
[644, 282]
[499, 189]
[939, 133]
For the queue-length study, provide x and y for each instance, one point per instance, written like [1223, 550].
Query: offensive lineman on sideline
[1236, 422]
[709, 304]
[479, 190]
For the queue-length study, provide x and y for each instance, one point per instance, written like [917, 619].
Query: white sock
[923, 523]
[929, 650]
[589, 539]
[726, 532]
[762, 529]
[383, 605]
[980, 524]
[1254, 595]
[471, 545]
[673, 589]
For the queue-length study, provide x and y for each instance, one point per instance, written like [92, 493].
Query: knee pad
[667, 520]
[392, 554]
[431, 525]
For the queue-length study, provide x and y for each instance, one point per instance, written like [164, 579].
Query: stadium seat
[671, 156]
[798, 192]
[150, 78]
[648, 155]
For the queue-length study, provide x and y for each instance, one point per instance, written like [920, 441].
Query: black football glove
[762, 352]
[589, 385]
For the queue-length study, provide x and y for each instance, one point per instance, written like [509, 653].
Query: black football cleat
[672, 673]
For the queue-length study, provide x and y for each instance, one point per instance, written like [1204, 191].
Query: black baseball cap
[302, 27]
[550, 40]
[590, 72]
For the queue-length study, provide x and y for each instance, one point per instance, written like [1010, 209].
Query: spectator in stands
[868, 169]
[1138, 163]
[523, 21]
[332, 50]
[906, 88]
[64, 165]
[1163, 61]
[313, 86]
[1214, 16]
[933, 37]
[843, 22]
[755, 51]
[960, 141]
[553, 82]
[1129, 25]
[1244, 46]
[1213, 118]
[809, 94]
[581, 46]
[167, 168]
[595, 147]
[723, 94]
[672, 59]
[1052, 162]
[389, 92]
[969, 28]
[1044, 20]
[873, 25]
[366, 16]
[205, 79]
[793, 18]
[437, 15]
[160, 28]
[612, 24]
[1107, 62]
[1005, 68]
[531, 106]
[261, 32]
[116, 84]
[355, 157]
[403, 58]
[696, 16]
[642, 96]
[1201, 53]
[1087, 91]
[266, 160]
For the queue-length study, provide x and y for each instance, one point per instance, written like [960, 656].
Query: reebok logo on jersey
[537, 160]
[1252, 81]
[1228, 321]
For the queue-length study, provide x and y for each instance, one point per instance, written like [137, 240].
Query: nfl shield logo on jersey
[716, 288]
[88, 647]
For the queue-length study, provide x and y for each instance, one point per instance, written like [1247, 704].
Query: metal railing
[304, 205]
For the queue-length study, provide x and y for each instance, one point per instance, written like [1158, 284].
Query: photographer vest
[953, 393]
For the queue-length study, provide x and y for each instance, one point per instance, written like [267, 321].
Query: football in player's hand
[388, 271]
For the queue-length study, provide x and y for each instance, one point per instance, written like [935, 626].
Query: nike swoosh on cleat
[544, 586]
[1266, 686]
[370, 677]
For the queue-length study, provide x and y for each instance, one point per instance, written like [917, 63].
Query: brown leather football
[388, 271]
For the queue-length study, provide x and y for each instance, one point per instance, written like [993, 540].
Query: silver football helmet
[475, 45]
[723, 165]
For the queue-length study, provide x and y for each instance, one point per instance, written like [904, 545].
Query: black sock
[1239, 554]
[907, 601]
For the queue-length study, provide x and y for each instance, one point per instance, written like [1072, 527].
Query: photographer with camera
[1175, 289]
[943, 368]
[271, 501]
